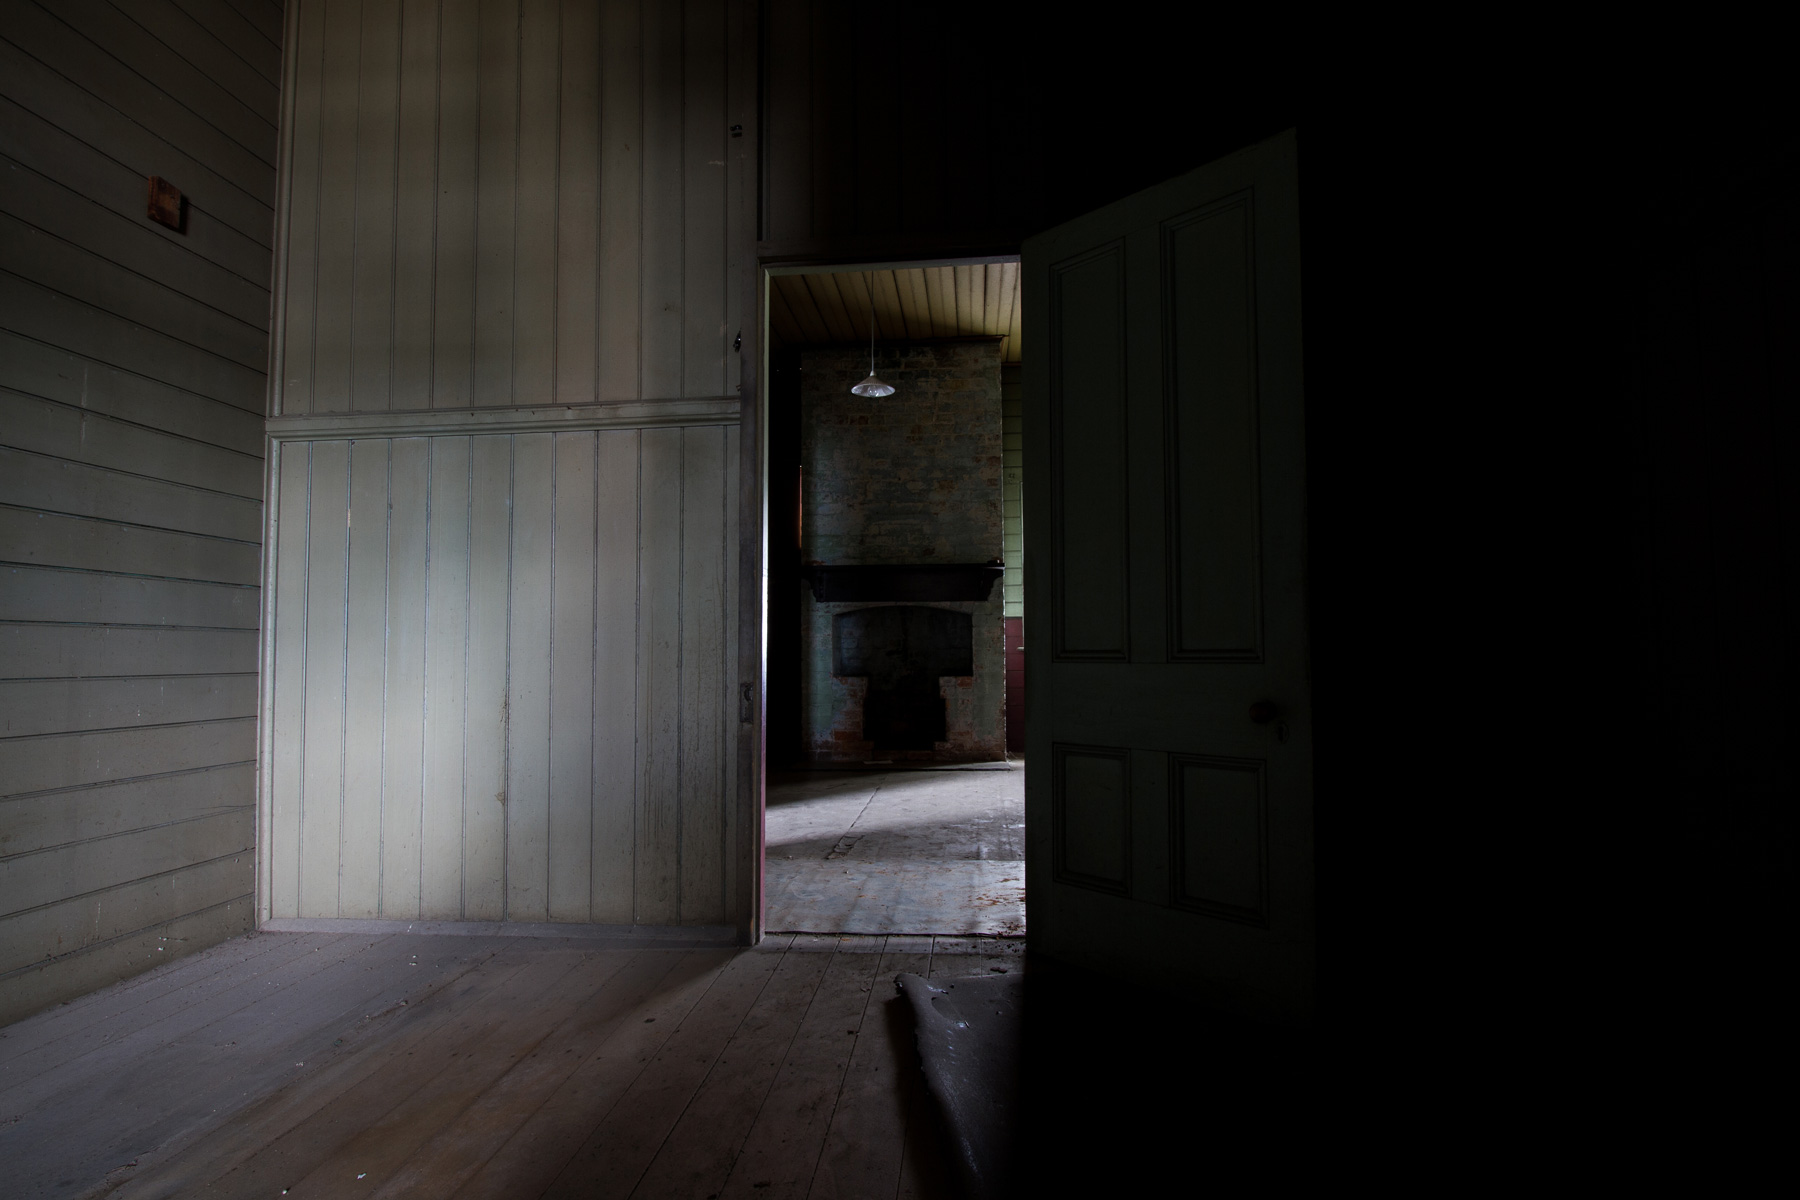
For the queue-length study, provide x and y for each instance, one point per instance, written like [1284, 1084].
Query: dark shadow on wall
[1549, 367]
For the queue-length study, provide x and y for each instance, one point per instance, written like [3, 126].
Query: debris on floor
[968, 1033]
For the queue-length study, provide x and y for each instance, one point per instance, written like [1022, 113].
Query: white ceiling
[911, 304]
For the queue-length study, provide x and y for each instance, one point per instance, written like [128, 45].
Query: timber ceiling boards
[911, 304]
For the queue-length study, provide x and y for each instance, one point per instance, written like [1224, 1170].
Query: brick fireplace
[901, 507]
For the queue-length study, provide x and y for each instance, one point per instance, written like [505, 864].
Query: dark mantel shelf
[916, 581]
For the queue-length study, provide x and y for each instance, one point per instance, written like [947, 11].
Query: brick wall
[911, 478]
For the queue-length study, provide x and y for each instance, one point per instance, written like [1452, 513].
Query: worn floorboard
[860, 1156]
[367, 1133]
[461, 1147]
[385, 1056]
[168, 1082]
[537, 1149]
[389, 1065]
[98, 1017]
[781, 1153]
[738, 1048]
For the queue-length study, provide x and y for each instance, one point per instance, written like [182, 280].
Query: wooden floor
[413, 1065]
[937, 851]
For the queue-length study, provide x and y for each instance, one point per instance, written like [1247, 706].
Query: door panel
[1093, 817]
[1214, 568]
[1218, 836]
[1088, 470]
[1172, 831]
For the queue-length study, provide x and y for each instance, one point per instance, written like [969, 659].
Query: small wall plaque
[165, 203]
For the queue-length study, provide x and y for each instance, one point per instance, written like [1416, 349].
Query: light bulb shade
[872, 387]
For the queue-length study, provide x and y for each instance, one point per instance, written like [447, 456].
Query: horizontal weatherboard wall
[500, 685]
[132, 391]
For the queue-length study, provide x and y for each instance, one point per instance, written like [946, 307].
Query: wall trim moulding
[462, 422]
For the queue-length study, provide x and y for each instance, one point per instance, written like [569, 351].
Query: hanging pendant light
[872, 386]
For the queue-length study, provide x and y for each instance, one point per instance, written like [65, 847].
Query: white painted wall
[501, 665]
[512, 202]
[499, 668]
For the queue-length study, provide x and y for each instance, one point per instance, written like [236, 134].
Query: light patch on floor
[897, 852]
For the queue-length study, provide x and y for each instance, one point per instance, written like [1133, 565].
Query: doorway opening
[895, 666]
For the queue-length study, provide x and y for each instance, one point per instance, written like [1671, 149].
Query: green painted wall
[1012, 487]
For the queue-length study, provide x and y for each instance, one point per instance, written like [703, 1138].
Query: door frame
[753, 540]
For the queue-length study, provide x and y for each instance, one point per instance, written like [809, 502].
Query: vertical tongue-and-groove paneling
[504, 696]
[509, 206]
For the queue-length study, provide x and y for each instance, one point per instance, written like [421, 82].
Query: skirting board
[685, 937]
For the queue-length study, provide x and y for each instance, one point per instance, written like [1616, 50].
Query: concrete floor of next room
[912, 851]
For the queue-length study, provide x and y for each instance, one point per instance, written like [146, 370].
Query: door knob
[1263, 711]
